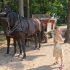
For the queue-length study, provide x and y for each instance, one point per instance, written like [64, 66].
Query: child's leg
[61, 58]
[61, 66]
[56, 59]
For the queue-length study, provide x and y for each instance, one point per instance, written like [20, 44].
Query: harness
[16, 26]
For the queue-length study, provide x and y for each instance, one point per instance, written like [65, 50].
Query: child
[58, 52]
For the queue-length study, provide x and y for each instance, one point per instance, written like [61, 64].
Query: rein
[17, 24]
[14, 28]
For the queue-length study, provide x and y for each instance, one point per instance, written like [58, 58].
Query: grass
[2, 38]
[61, 24]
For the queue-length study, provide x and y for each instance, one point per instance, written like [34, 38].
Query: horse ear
[9, 9]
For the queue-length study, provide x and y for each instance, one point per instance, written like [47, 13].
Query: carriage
[49, 24]
[21, 28]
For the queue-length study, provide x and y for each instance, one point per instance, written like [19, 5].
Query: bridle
[17, 24]
[9, 31]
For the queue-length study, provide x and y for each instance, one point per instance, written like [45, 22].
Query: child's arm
[54, 41]
[61, 39]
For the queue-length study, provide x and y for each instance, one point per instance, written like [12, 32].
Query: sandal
[61, 66]
[55, 63]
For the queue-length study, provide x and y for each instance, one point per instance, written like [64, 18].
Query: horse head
[5, 26]
[4, 11]
[7, 17]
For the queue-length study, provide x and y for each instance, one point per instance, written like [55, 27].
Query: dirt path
[36, 59]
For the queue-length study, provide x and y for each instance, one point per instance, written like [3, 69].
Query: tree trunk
[2, 3]
[27, 8]
[21, 9]
[67, 39]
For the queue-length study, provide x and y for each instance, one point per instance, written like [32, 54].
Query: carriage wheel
[45, 38]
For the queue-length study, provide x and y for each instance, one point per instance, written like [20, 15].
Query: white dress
[58, 51]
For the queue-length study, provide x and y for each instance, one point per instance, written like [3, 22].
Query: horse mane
[12, 16]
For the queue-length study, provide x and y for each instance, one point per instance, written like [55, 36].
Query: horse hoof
[15, 55]
[38, 48]
[7, 54]
[23, 58]
[35, 48]
[20, 55]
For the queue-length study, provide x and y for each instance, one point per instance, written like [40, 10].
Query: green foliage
[12, 3]
[1, 28]
[2, 38]
[57, 8]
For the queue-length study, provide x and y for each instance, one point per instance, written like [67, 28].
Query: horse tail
[42, 30]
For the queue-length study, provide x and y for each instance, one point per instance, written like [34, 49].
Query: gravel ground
[36, 59]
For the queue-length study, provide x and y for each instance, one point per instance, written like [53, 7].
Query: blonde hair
[59, 29]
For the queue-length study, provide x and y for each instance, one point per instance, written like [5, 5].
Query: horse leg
[19, 44]
[27, 41]
[35, 36]
[8, 44]
[39, 39]
[23, 46]
[14, 45]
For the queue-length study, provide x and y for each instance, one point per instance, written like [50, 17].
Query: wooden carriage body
[49, 23]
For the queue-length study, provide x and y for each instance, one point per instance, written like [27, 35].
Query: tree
[57, 7]
[21, 5]
[2, 3]
[27, 3]
[67, 39]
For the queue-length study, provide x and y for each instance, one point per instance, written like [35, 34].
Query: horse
[20, 27]
[8, 40]
[14, 41]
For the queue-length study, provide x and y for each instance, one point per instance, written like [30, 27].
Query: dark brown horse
[8, 41]
[20, 27]
[14, 41]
